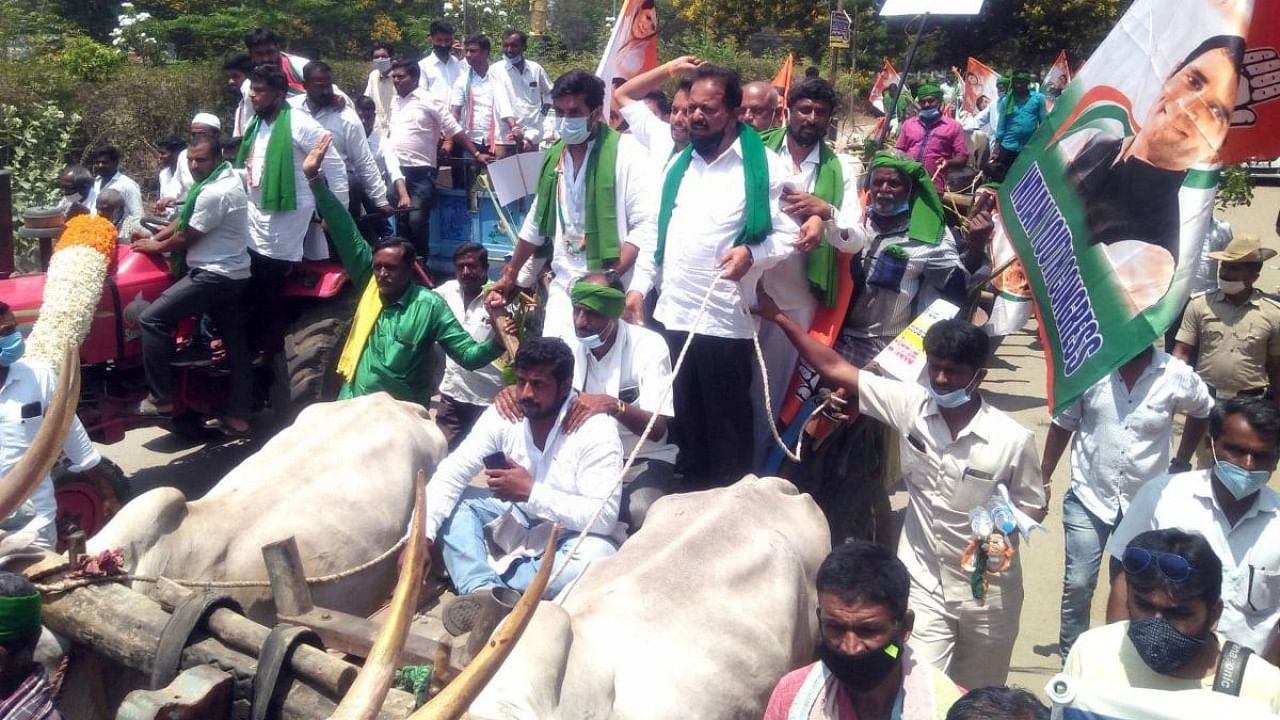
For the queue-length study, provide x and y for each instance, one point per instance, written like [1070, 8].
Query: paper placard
[515, 177]
[903, 358]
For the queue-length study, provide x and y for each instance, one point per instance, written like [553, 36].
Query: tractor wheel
[80, 505]
[306, 369]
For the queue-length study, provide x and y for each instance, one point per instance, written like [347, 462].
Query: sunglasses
[1174, 567]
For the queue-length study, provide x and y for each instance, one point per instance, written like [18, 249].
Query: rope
[69, 585]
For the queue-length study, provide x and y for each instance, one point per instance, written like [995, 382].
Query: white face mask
[573, 130]
[382, 65]
[591, 342]
[1231, 287]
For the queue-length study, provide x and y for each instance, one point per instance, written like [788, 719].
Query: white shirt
[484, 107]
[386, 161]
[31, 386]
[438, 76]
[351, 145]
[122, 184]
[572, 476]
[709, 213]
[173, 185]
[279, 234]
[380, 89]
[788, 283]
[1250, 551]
[418, 121]
[1123, 437]
[244, 110]
[476, 387]
[529, 90]
[637, 370]
[948, 477]
[222, 214]
[650, 131]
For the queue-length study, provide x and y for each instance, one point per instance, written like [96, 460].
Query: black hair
[860, 571]
[440, 26]
[172, 143]
[815, 89]
[480, 40]
[272, 75]
[201, 141]
[1204, 582]
[110, 151]
[580, 82]
[407, 252]
[727, 78]
[382, 45]
[1233, 44]
[472, 247]
[659, 98]
[812, 72]
[261, 36]
[13, 585]
[231, 144]
[1260, 413]
[957, 341]
[361, 102]
[998, 703]
[524, 37]
[240, 62]
[314, 67]
[409, 66]
[544, 351]
[684, 86]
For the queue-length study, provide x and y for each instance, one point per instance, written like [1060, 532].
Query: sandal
[149, 407]
[224, 425]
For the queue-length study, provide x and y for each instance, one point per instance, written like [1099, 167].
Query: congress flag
[979, 86]
[632, 48]
[1257, 112]
[888, 76]
[1108, 203]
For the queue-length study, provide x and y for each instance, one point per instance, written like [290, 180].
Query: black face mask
[861, 672]
[706, 143]
[442, 51]
[1161, 646]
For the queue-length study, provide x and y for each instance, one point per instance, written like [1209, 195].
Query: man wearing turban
[933, 139]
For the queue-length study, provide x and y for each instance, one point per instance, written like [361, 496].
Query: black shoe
[483, 607]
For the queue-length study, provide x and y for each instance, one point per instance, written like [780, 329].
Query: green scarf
[178, 258]
[278, 193]
[603, 245]
[926, 207]
[759, 222]
[600, 298]
[829, 185]
[19, 617]
[1008, 96]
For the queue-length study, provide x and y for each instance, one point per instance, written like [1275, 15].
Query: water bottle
[981, 521]
[1002, 516]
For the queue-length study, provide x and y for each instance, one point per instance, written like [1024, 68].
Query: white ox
[340, 480]
[697, 616]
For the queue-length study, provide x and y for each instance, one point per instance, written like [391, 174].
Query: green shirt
[395, 357]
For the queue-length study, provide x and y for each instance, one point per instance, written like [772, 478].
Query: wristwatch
[619, 408]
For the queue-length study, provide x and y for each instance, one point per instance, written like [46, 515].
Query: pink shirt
[784, 693]
[932, 146]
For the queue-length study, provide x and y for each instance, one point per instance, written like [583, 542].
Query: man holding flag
[594, 205]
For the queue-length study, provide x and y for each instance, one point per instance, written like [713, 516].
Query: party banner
[1258, 99]
[1055, 81]
[633, 45]
[1109, 202]
[979, 86]
[888, 76]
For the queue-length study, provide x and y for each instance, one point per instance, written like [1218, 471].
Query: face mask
[931, 115]
[74, 197]
[382, 65]
[953, 399]
[591, 342]
[1161, 646]
[1239, 482]
[861, 672]
[1231, 287]
[515, 58]
[11, 348]
[574, 131]
[902, 207]
[441, 51]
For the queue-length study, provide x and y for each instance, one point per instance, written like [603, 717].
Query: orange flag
[782, 81]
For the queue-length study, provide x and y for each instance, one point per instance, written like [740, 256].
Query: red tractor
[318, 313]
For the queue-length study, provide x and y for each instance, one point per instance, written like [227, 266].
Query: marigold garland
[93, 231]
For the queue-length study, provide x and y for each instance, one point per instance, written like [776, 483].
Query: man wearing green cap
[25, 693]
[1021, 112]
[933, 139]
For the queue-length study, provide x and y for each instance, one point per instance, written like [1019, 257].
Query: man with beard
[719, 226]
[661, 139]
[440, 69]
[106, 166]
[815, 186]
[465, 394]
[760, 102]
[264, 49]
[1168, 642]
[865, 671]
[1236, 512]
[594, 205]
[933, 139]
[493, 538]
[397, 320]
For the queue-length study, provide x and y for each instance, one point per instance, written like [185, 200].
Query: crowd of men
[678, 234]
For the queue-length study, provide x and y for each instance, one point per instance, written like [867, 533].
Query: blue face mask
[902, 207]
[11, 348]
[515, 59]
[573, 130]
[930, 115]
[591, 342]
[953, 399]
[1239, 482]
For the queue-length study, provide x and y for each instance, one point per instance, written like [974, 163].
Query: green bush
[1235, 187]
[87, 60]
[34, 143]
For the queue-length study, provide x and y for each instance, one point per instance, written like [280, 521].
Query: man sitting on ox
[492, 539]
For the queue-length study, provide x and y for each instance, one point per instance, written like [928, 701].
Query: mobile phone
[496, 461]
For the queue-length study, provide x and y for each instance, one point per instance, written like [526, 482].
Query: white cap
[209, 119]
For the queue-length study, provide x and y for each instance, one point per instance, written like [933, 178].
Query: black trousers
[713, 422]
[456, 418]
[421, 184]
[198, 292]
[264, 301]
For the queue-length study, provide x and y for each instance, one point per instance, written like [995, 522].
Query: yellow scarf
[367, 313]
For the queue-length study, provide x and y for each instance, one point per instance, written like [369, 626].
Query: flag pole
[902, 79]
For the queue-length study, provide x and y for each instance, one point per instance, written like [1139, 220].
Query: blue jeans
[421, 184]
[1085, 535]
[465, 557]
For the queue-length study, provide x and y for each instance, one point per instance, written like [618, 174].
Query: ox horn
[455, 698]
[34, 465]
[364, 699]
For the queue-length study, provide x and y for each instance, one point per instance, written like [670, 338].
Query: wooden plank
[197, 694]
[354, 636]
[288, 579]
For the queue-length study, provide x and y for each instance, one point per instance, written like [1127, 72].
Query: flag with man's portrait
[888, 76]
